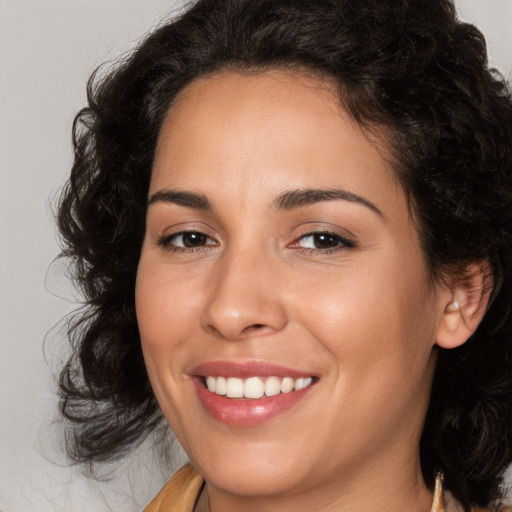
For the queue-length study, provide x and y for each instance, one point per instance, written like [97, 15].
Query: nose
[245, 299]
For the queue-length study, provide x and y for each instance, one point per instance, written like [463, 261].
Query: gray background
[47, 50]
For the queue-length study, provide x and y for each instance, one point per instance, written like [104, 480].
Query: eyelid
[346, 242]
[187, 232]
[330, 233]
[164, 239]
[346, 238]
[312, 228]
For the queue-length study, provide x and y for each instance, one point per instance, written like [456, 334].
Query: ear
[465, 304]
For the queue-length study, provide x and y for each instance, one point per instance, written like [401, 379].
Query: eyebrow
[304, 197]
[286, 201]
[181, 198]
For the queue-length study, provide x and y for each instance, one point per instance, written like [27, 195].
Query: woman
[292, 223]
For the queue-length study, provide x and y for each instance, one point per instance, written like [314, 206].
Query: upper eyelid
[325, 232]
[312, 228]
[296, 233]
[347, 240]
[185, 227]
[322, 232]
[182, 232]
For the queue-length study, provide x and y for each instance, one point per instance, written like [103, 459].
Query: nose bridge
[244, 297]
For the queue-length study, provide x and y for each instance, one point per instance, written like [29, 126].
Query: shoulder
[179, 494]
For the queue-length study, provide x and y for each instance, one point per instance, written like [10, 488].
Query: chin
[252, 477]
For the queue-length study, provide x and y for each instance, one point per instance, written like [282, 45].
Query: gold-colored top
[181, 492]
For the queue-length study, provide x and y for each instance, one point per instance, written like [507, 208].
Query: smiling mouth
[245, 394]
[255, 387]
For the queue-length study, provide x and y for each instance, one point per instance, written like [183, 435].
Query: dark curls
[408, 69]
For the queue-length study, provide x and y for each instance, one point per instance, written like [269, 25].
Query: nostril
[254, 327]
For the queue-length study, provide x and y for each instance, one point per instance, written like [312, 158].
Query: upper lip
[244, 370]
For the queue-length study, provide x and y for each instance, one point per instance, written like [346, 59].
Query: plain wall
[47, 50]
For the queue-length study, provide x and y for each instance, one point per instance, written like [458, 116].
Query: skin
[364, 317]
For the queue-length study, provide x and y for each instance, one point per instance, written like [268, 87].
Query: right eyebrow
[181, 198]
[303, 197]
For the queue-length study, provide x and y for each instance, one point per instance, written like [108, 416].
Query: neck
[398, 488]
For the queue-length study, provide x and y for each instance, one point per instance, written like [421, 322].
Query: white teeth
[210, 384]
[272, 386]
[220, 385]
[234, 387]
[255, 387]
[287, 385]
[299, 384]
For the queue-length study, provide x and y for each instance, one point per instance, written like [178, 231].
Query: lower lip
[246, 412]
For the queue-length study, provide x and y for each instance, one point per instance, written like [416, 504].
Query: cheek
[165, 313]
[164, 316]
[376, 319]
[165, 306]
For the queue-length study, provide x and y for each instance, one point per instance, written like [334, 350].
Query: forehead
[277, 86]
[219, 109]
[275, 128]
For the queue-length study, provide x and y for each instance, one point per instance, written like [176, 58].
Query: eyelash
[166, 241]
[343, 243]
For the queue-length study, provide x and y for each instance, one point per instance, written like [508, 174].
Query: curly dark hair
[409, 68]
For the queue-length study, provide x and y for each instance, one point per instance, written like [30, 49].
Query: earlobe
[466, 306]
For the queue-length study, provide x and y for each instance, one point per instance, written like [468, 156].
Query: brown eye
[187, 240]
[324, 240]
[193, 239]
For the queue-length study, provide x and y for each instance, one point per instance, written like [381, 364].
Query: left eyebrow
[304, 197]
[181, 198]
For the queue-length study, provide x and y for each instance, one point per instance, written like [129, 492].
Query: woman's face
[279, 247]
